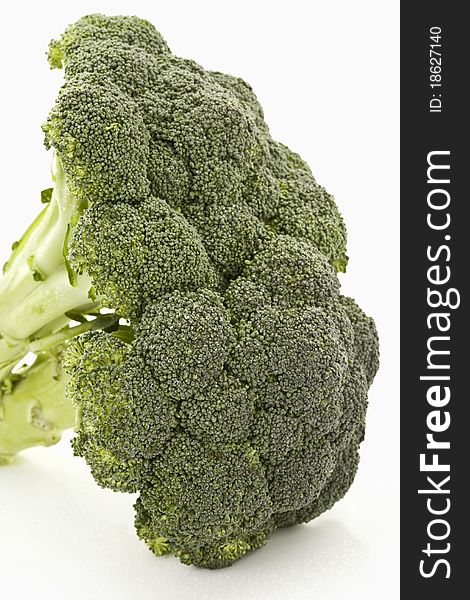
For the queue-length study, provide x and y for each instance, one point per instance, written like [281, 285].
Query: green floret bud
[293, 273]
[109, 245]
[301, 476]
[244, 297]
[137, 253]
[287, 273]
[130, 30]
[275, 433]
[101, 139]
[231, 234]
[177, 258]
[184, 340]
[339, 483]
[293, 359]
[306, 210]
[221, 414]
[245, 94]
[366, 340]
[168, 174]
[353, 408]
[117, 62]
[123, 418]
[203, 527]
[109, 469]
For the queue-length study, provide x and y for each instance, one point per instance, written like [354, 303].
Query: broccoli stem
[33, 408]
[22, 316]
[38, 287]
[36, 411]
[10, 355]
[38, 293]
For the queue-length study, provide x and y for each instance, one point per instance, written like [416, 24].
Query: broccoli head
[228, 385]
[230, 417]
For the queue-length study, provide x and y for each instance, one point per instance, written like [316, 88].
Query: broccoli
[179, 293]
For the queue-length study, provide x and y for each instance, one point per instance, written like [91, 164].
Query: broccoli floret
[171, 160]
[206, 383]
[228, 385]
[97, 28]
[137, 253]
[210, 505]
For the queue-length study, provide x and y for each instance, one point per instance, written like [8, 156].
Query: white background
[326, 74]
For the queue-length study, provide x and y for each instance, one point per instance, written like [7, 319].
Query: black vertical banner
[435, 269]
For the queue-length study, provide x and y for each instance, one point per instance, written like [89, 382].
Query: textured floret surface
[237, 405]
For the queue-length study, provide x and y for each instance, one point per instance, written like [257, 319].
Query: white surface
[326, 74]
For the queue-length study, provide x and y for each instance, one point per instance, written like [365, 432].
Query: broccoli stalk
[39, 286]
[34, 410]
[39, 295]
